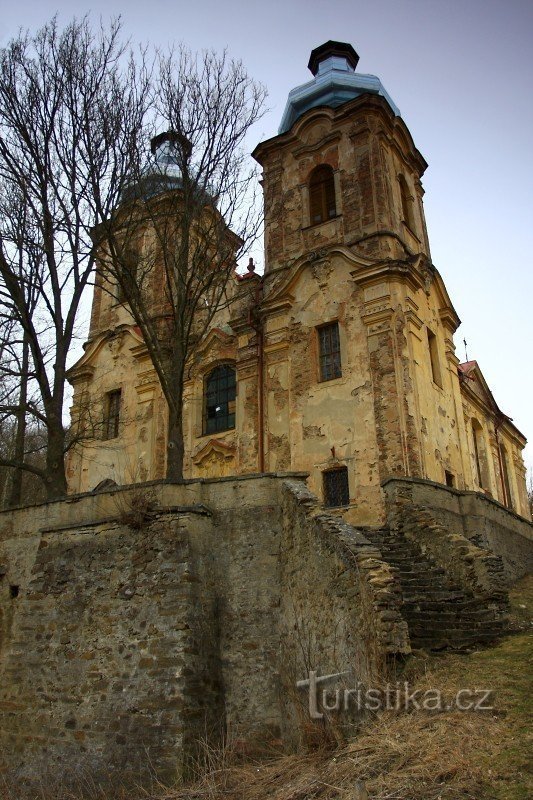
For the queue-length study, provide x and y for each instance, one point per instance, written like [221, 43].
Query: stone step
[413, 594]
[466, 609]
[412, 582]
[448, 644]
[419, 628]
[414, 570]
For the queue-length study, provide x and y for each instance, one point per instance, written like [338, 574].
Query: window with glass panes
[329, 352]
[336, 491]
[322, 204]
[220, 392]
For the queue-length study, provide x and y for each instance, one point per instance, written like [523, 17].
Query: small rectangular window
[336, 490]
[112, 414]
[434, 358]
[329, 352]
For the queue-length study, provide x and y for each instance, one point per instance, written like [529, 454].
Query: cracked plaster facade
[366, 269]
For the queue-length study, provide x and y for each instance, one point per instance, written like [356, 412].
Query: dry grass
[398, 755]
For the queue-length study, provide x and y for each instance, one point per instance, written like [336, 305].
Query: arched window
[322, 204]
[407, 202]
[220, 390]
[480, 456]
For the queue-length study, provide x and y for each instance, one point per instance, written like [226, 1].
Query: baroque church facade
[338, 361]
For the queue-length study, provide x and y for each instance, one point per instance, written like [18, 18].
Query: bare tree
[19, 408]
[172, 245]
[73, 106]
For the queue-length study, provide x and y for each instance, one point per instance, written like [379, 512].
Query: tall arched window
[322, 204]
[476, 438]
[407, 202]
[129, 265]
[219, 401]
[480, 455]
[504, 463]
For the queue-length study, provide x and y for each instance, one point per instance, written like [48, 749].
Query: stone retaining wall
[137, 621]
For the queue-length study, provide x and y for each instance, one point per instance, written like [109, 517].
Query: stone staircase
[439, 614]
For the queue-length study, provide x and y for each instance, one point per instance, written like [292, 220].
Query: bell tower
[343, 169]
[349, 284]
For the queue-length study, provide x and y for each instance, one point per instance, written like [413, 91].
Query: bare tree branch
[172, 244]
[73, 108]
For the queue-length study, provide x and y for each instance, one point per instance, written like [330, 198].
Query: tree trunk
[56, 479]
[175, 446]
[15, 493]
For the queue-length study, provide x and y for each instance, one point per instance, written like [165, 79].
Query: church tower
[339, 361]
[344, 165]
[372, 380]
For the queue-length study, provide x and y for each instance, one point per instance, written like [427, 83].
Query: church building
[339, 361]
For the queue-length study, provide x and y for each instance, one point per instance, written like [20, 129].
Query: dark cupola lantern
[164, 172]
[170, 147]
[343, 54]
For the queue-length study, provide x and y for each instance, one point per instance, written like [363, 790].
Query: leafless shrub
[136, 508]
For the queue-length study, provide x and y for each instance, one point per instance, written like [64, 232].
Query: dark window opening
[14, 591]
[329, 352]
[112, 414]
[476, 434]
[434, 358]
[450, 478]
[220, 393]
[507, 499]
[322, 205]
[128, 269]
[336, 490]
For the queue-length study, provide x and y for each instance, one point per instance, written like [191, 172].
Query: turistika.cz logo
[390, 697]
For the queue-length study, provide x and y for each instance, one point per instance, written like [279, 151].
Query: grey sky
[461, 72]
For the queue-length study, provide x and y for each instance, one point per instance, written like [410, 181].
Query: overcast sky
[461, 72]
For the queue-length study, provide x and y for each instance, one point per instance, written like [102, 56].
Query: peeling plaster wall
[368, 269]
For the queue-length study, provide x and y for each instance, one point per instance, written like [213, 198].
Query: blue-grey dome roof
[335, 82]
[162, 173]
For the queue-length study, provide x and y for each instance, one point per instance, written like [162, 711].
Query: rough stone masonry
[138, 621]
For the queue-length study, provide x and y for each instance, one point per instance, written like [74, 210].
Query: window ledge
[329, 381]
[411, 231]
[325, 222]
[215, 434]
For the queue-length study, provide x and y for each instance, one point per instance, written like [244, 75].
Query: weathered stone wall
[135, 620]
[340, 602]
[105, 664]
[481, 520]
